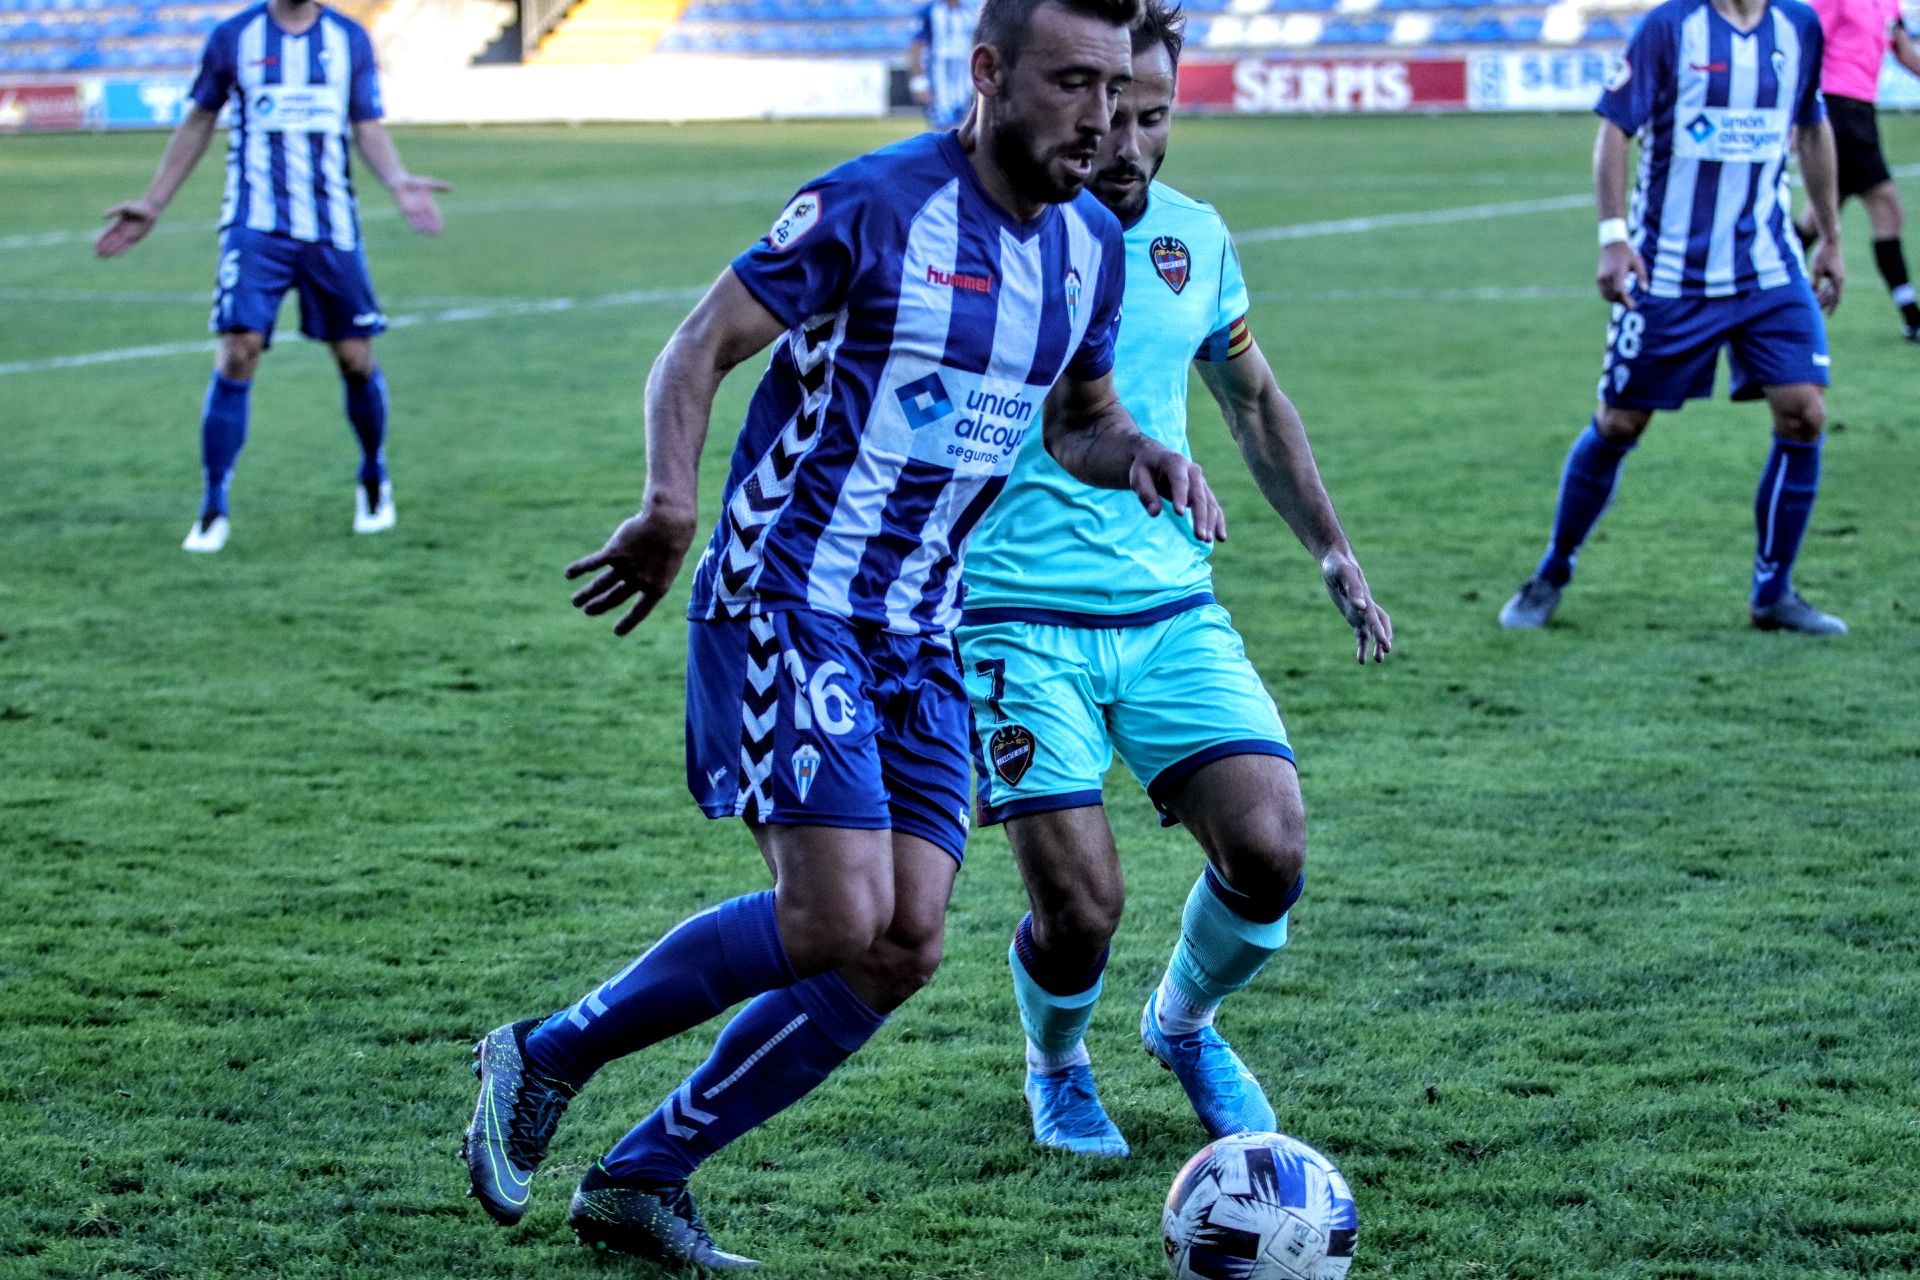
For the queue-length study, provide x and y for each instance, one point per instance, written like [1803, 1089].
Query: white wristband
[1612, 231]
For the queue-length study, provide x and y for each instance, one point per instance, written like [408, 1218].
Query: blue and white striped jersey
[293, 102]
[926, 328]
[1714, 109]
[947, 31]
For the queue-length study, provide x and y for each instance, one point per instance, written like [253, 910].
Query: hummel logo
[715, 776]
[366, 319]
[1823, 361]
[959, 280]
[1708, 66]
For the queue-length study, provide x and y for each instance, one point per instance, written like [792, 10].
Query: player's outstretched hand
[127, 224]
[1829, 274]
[641, 560]
[1158, 472]
[1372, 628]
[414, 194]
[1621, 272]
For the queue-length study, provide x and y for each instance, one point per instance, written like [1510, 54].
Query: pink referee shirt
[1857, 43]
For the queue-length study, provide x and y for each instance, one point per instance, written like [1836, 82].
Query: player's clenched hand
[1829, 274]
[1372, 628]
[641, 560]
[1620, 265]
[127, 224]
[1158, 472]
[414, 195]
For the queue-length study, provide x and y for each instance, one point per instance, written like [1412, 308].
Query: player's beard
[1028, 171]
[1127, 208]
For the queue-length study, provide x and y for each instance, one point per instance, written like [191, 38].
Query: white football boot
[374, 519]
[206, 536]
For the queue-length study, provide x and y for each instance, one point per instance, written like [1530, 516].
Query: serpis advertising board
[1274, 86]
[1539, 80]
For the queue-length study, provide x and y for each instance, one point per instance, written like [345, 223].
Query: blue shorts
[1662, 353]
[797, 718]
[1051, 703]
[257, 268]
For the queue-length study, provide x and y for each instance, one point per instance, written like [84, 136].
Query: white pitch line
[454, 209]
[1468, 293]
[9, 293]
[495, 310]
[1414, 218]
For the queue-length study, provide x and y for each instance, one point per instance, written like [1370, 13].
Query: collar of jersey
[957, 160]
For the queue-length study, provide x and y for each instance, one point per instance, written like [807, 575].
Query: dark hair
[1004, 23]
[1162, 24]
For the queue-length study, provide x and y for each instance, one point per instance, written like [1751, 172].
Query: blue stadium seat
[1605, 27]
[1343, 31]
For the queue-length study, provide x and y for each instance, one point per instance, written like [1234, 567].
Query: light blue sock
[1220, 951]
[1056, 1025]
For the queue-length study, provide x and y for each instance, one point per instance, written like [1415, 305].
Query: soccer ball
[1260, 1206]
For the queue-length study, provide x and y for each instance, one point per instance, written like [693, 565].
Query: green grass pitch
[1607, 965]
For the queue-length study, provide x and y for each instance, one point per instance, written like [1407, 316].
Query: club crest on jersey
[798, 218]
[925, 401]
[1779, 63]
[1011, 749]
[1172, 261]
[1073, 292]
[806, 767]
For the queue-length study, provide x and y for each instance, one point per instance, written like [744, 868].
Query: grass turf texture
[1606, 965]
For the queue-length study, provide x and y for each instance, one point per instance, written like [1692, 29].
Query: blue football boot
[1067, 1114]
[1223, 1092]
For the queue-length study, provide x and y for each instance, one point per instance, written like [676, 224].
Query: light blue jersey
[1053, 549]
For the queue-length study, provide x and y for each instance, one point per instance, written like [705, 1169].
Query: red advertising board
[40, 106]
[1269, 86]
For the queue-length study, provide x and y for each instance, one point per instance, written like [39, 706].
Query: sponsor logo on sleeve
[798, 218]
[1622, 72]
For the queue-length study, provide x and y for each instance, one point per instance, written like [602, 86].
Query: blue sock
[775, 1052]
[1220, 951]
[1055, 1012]
[367, 411]
[223, 432]
[1586, 486]
[1781, 508]
[708, 963]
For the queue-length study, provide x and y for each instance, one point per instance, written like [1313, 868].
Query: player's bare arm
[1820, 171]
[644, 555]
[1905, 51]
[1621, 271]
[1091, 434]
[129, 221]
[412, 192]
[1273, 441]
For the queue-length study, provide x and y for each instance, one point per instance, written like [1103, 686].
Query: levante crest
[1172, 261]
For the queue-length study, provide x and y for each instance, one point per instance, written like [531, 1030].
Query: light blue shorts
[1051, 703]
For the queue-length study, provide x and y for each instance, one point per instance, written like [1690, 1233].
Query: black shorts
[1856, 136]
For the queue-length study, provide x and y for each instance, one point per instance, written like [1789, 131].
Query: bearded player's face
[1053, 103]
[1136, 145]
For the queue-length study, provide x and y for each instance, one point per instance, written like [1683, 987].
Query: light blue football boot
[1223, 1092]
[1067, 1114]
